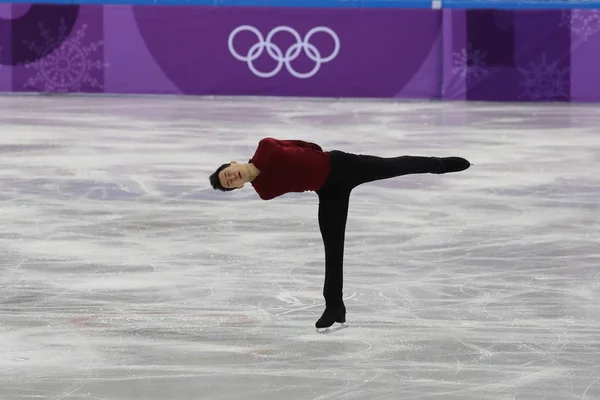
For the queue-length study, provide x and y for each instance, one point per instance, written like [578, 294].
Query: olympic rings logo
[291, 53]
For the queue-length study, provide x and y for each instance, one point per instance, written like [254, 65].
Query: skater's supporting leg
[347, 172]
[333, 214]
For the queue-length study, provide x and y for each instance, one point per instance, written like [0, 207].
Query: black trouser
[347, 172]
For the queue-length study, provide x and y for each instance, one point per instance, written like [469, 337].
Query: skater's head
[230, 176]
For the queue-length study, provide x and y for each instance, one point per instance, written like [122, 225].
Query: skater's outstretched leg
[333, 214]
[366, 168]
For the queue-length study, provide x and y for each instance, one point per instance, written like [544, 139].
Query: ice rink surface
[125, 276]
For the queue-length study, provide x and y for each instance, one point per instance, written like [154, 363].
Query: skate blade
[331, 329]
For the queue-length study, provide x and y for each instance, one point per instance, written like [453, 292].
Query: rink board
[355, 49]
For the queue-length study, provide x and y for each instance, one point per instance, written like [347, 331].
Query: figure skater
[283, 166]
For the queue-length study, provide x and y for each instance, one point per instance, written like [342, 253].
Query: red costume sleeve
[293, 143]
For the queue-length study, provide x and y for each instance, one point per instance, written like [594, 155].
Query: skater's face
[234, 176]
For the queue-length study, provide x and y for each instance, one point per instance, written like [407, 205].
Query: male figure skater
[282, 166]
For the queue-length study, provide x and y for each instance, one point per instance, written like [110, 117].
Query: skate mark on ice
[588, 388]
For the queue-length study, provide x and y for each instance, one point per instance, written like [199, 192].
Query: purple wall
[402, 53]
[504, 55]
[508, 55]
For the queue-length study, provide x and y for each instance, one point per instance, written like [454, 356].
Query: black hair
[216, 182]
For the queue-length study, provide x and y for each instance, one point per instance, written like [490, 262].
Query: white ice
[125, 276]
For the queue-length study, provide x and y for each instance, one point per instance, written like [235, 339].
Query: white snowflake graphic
[469, 63]
[545, 80]
[68, 68]
[583, 23]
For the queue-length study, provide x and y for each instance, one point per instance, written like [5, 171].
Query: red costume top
[288, 166]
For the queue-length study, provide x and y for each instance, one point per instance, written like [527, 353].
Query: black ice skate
[330, 316]
[451, 164]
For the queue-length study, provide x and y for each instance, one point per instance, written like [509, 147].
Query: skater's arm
[264, 152]
[297, 143]
[302, 143]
